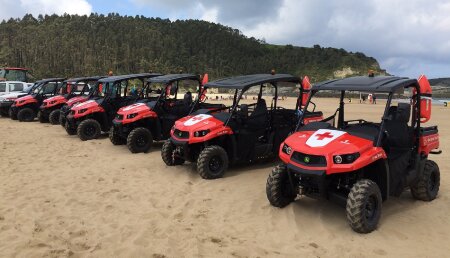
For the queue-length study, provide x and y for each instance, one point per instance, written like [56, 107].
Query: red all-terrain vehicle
[26, 108]
[151, 118]
[359, 163]
[90, 118]
[240, 133]
[72, 88]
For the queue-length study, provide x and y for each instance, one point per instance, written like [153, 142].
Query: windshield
[13, 75]
[48, 88]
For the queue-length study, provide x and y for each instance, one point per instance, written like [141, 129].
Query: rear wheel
[53, 118]
[139, 140]
[69, 129]
[12, 115]
[40, 117]
[26, 115]
[364, 206]
[278, 188]
[427, 187]
[62, 119]
[115, 138]
[168, 155]
[212, 162]
[4, 113]
[89, 129]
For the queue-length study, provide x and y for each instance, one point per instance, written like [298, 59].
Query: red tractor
[72, 88]
[239, 133]
[15, 74]
[90, 118]
[151, 118]
[26, 108]
[360, 163]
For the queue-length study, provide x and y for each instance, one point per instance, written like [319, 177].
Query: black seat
[398, 145]
[258, 118]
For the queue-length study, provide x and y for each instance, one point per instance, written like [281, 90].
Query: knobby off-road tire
[89, 129]
[26, 115]
[41, 118]
[212, 162]
[427, 187]
[167, 154]
[53, 117]
[62, 119]
[364, 204]
[115, 138]
[12, 115]
[140, 140]
[70, 130]
[278, 188]
[4, 113]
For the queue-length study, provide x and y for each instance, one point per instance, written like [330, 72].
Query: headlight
[286, 149]
[132, 115]
[22, 101]
[201, 133]
[346, 159]
[81, 111]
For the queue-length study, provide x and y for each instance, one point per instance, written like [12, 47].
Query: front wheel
[427, 187]
[53, 117]
[26, 115]
[89, 129]
[69, 129]
[168, 154]
[212, 162]
[41, 118]
[115, 138]
[12, 115]
[279, 191]
[364, 206]
[139, 140]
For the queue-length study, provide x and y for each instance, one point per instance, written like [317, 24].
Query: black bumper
[316, 180]
[121, 129]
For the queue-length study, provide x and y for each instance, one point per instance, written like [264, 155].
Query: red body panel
[53, 101]
[76, 100]
[22, 101]
[342, 143]
[308, 120]
[428, 143]
[91, 107]
[141, 109]
[200, 122]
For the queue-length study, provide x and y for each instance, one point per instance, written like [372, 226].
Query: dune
[62, 197]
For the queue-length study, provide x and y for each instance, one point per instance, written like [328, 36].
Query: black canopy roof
[128, 77]
[168, 78]
[367, 84]
[50, 80]
[246, 81]
[90, 78]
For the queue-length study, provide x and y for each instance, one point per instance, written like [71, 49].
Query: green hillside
[72, 45]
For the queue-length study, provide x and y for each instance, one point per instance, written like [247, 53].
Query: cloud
[401, 34]
[17, 9]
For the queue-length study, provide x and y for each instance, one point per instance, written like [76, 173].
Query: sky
[407, 37]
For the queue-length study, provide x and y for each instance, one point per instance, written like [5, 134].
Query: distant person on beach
[374, 99]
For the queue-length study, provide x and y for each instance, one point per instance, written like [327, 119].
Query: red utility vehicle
[72, 88]
[26, 108]
[239, 133]
[90, 118]
[151, 118]
[359, 163]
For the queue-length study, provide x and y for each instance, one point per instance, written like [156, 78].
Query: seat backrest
[258, 119]
[396, 126]
[187, 98]
[260, 109]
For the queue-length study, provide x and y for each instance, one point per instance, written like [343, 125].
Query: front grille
[309, 160]
[181, 134]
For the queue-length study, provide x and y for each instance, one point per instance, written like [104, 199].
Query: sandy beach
[63, 197]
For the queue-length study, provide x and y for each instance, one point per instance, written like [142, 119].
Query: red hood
[57, 98]
[90, 104]
[197, 123]
[74, 100]
[135, 108]
[325, 142]
[27, 97]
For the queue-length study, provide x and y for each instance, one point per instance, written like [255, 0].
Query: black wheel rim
[371, 208]
[432, 182]
[89, 130]
[141, 141]
[215, 164]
